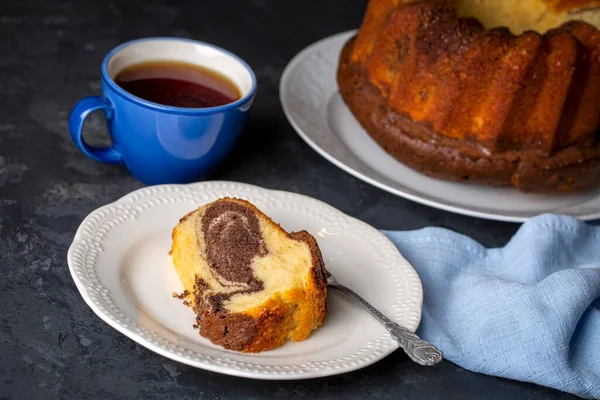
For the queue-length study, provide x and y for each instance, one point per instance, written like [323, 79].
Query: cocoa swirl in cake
[215, 322]
[232, 239]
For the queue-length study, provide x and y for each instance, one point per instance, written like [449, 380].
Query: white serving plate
[120, 263]
[311, 101]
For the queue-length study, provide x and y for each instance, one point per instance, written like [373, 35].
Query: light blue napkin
[529, 311]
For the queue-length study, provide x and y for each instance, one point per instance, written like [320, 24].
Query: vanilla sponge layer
[285, 267]
[524, 15]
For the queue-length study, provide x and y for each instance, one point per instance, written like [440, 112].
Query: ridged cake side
[456, 101]
[251, 284]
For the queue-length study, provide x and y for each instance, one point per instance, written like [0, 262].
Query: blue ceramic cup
[162, 144]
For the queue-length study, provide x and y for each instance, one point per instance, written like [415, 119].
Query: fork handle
[419, 350]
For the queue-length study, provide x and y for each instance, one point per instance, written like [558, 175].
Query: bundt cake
[458, 99]
[251, 284]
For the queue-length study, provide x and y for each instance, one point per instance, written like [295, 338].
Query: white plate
[120, 263]
[312, 104]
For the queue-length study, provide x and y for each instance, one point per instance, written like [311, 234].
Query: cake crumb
[182, 295]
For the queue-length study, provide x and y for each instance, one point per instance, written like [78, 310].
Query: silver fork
[419, 350]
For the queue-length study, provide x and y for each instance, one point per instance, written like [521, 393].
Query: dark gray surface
[51, 344]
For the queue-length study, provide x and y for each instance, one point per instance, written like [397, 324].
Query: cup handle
[85, 106]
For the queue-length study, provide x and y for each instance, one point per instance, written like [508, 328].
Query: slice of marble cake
[251, 284]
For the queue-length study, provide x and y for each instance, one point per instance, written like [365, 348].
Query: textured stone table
[51, 344]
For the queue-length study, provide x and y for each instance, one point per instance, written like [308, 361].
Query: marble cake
[251, 284]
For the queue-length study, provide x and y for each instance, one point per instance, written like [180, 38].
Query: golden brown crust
[455, 101]
[291, 315]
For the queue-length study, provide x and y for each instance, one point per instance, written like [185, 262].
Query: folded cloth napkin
[529, 311]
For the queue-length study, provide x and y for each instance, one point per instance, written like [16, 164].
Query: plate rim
[286, 78]
[408, 272]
